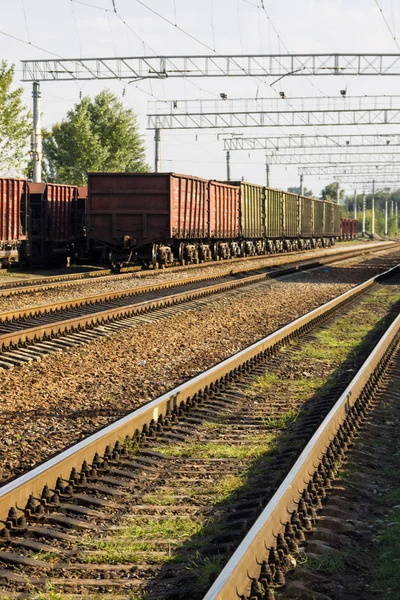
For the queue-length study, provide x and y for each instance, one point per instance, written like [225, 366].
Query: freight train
[160, 218]
[157, 219]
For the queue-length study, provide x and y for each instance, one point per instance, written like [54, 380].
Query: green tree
[15, 124]
[296, 190]
[329, 192]
[96, 135]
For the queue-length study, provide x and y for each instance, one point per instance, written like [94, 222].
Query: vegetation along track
[153, 505]
[316, 539]
[33, 286]
[25, 334]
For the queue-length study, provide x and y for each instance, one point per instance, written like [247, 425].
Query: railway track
[28, 334]
[157, 501]
[258, 567]
[45, 283]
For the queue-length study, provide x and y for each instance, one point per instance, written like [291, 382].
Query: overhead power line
[18, 39]
[387, 24]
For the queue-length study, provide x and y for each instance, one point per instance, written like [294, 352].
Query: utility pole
[267, 173]
[36, 135]
[386, 216]
[392, 208]
[338, 193]
[373, 209]
[355, 204]
[302, 185]
[396, 216]
[157, 143]
[228, 165]
[363, 215]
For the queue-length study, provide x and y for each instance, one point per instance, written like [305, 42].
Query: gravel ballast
[49, 405]
[81, 289]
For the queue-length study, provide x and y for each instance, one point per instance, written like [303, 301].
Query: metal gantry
[334, 159]
[301, 142]
[283, 118]
[272, 104]
[210, 65]
[338, 111]
[343, 151]
[350, 170]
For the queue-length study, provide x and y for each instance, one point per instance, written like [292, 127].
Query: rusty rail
[67, 280]
[54, 307]
[17, 492]
[92, 316]
[235, 579]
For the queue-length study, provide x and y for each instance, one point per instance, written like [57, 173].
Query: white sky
[72, 29]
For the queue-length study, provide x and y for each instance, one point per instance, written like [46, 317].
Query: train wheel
[182, 254]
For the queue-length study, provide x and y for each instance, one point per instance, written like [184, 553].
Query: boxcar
[273, 215]
[156, 217]
[49, 223]
[13, 218]
[290, 215]
[224, 219]
[319, 218]
[306, 217]
[252, 217]
[328, 218]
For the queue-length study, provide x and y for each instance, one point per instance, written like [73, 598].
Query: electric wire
[387, 25]
[25, 20]
[138, 37]
[77, 27]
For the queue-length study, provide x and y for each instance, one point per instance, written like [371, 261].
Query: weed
[205, 570]
[329, 562]
[255, 447]
[45, 556]
[283, 421]
[135, 542]
[226, 486]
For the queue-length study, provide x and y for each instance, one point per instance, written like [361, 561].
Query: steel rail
[56, 328]
[46, 283]
[234, 580]
[54, 307]
[17, 492]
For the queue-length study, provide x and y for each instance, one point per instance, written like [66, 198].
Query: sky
[91, 28]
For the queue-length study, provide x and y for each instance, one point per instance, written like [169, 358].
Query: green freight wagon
[319, 218]
[273, 214]
[328, 218]
[252, 217]
[306, 216]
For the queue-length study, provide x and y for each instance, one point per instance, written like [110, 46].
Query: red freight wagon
[348, 228]
[224, 219]
[151, 217]
[50, 222]
[12, 218]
